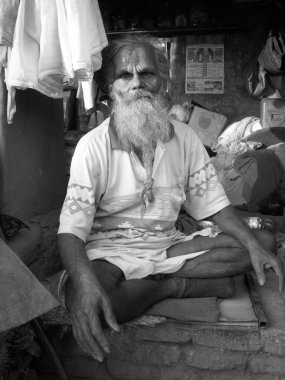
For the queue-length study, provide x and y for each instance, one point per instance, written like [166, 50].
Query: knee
[108, 274]
[267, 238]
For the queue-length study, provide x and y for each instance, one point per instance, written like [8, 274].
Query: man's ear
[110, 87]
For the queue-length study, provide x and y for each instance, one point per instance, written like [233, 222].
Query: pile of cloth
[46, 45]
[253, 175]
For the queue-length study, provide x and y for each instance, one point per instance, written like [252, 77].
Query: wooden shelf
[166, 32]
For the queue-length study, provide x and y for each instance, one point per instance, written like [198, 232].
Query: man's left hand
[263, 260]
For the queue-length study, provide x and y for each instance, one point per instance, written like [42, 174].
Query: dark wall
[235, 102]
[241, 49]
[252, 20]
[33, 177]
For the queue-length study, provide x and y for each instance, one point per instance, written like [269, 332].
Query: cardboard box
[208, 125]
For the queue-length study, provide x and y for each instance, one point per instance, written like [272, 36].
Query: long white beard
[141, 119]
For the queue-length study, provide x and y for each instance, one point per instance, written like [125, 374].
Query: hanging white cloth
[27, 49]
[50, 67]
[55, 42]
[86, 91]
[8, 16]
[85, 23]
[3, 55]
[81, 21]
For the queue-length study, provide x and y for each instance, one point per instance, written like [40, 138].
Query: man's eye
[125, 76]
[146, 74]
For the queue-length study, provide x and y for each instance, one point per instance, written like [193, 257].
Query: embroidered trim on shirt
[80, 198]
[202, 180]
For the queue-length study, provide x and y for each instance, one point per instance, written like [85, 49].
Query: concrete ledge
[175, 351]
[179, 351]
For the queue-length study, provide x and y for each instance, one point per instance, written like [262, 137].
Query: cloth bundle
[231, 144]
[56, 42]
[261, 174]
[235, 133]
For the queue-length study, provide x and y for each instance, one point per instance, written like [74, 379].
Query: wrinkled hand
[262, 260]
[90, 301]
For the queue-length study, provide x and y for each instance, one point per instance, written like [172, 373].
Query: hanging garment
[8, 16]
[81, 21]
[3, 55]
[50, 69]
[84, 24]
[27, 49]
[55, 41]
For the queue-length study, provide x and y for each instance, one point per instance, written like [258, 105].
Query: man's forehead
[135, 54]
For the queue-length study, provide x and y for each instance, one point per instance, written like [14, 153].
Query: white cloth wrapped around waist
[140, 253]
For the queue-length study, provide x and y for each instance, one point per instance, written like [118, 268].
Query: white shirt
[103, 202]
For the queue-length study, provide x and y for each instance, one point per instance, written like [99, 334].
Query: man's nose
[136, 82]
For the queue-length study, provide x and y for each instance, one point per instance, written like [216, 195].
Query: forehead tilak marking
[140, 54]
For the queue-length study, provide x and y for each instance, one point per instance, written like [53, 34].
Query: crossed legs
[204, 276]
[225, 256]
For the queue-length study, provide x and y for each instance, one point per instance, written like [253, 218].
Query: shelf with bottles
[165, 18]
[176, 31]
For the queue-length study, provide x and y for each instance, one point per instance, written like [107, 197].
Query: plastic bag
[269, 63]
[271, 55]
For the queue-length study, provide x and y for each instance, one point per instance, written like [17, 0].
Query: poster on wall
[204, 69]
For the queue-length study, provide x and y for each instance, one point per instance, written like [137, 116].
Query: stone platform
[179, 351]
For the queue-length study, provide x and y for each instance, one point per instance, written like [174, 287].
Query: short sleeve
[205, 195]
[86, 185]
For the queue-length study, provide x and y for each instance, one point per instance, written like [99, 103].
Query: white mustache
[137, 95]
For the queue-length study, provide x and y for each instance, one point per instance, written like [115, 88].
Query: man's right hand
[86, 300]
[89, 301]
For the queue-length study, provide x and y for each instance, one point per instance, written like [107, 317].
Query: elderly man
[129, 179]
